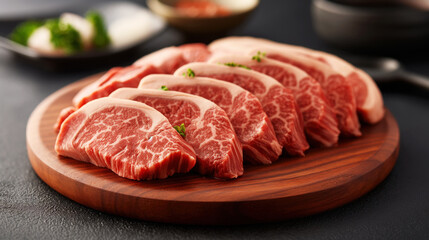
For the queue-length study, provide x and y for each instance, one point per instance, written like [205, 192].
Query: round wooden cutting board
[291, 187]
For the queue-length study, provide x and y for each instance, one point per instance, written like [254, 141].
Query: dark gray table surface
[29, 209]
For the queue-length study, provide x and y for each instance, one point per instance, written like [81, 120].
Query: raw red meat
[320, 123]
[244, 110]
[195, 52]
[167, 60]
[337, 90]
[63, 116]
[277, 101]
[130, 138]
[369, 100]
[368, 97]
[115, 78]
[208, 129]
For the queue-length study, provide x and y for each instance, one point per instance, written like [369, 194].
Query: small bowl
[239, 11]
[371, 28]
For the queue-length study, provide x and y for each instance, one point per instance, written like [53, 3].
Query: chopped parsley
[164, 88]
[64, 36]
[232, 64]
[189, 73]
[23, 31]
[101, 38]
[181, 129]
[258, 56]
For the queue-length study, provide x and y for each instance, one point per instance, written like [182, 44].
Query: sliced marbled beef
[63, 116]
[207, 128]
[115, 78]
[130, 138]
[167, 60]
[338, 91]
[320, 123]
[250, 122]
[277, 101]
[369, 101]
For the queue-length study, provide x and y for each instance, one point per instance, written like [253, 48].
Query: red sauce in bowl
[201, 8]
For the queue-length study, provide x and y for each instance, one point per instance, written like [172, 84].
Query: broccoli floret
[64, 36]
[23, 31]
[101, 38]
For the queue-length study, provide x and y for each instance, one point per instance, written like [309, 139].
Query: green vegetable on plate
[23, 31]
[64, 36]
[101, 38]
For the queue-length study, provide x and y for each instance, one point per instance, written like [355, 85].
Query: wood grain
[291, 187]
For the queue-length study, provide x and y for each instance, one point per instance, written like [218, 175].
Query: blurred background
[389, 28]
[352, 29]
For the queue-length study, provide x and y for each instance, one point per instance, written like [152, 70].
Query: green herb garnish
[181, 129]
[101, 38]
[23, 31]
[232, 64]
[258, 56]
[189, 73]
[164, 88]
[64, 36]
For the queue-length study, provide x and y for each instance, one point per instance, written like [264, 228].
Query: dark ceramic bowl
[240, 10]
[372, 27]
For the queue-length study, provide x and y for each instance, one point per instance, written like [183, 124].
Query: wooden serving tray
[291, 187]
